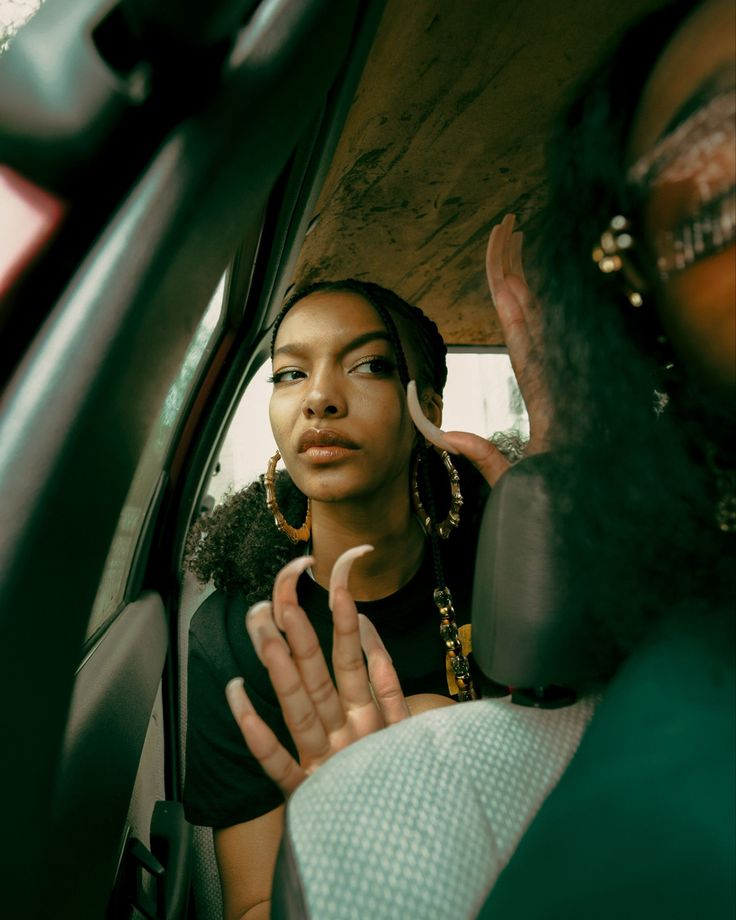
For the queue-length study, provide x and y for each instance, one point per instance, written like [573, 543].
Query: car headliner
[445, 135]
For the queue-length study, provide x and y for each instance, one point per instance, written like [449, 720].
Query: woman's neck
[395, 534]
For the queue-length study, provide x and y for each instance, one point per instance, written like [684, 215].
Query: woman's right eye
[287, 375]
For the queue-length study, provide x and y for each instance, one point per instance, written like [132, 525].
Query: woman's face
[338, 410]
[683, 148]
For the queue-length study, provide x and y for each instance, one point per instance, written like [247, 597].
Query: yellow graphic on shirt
[467, 644]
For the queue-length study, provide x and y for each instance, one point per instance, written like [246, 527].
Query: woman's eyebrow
[374, 335]
[358, 341]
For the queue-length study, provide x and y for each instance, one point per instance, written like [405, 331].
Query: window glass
[130, 524]
[13, 15]
[481, 396]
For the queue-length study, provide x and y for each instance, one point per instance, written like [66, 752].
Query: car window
[13, 15]
[481, 396]
[142, 490]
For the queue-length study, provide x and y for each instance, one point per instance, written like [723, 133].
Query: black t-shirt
[224, 783]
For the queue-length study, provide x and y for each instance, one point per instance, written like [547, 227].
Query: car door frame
[76, 416]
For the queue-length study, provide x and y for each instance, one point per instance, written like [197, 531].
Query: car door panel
[111, 705]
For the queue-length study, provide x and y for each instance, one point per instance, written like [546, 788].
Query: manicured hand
[323, 717]
[521, 323]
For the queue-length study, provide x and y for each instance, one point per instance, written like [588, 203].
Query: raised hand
[521, 323]
[322, 718]
[520, 319]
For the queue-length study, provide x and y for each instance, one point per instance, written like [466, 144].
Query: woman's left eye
[288, 375]
[375, 366]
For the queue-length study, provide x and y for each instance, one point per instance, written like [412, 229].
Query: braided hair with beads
[431, 371]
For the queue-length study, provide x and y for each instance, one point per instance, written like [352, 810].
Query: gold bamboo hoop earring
[452, 520]
[303, 533]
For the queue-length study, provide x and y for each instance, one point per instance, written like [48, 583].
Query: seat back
[522, 634]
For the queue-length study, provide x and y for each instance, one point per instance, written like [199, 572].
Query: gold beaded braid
[450, 636]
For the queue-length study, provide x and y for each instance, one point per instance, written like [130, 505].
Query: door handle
[155, 881]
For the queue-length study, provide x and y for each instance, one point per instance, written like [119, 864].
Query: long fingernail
[237, 698]
[430, 431]
[286, 581]
[341, 568]
[369, 637]
[256, 610]
[257, 621]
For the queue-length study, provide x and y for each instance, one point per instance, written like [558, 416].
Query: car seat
[523, 635]
[643, 822]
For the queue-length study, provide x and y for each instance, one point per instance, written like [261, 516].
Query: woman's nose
[323, 401]
[316, 408]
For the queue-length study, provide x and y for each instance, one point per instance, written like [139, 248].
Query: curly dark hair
[238, 546]
[634, 493]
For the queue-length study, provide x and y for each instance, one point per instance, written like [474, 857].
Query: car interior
[169, 171]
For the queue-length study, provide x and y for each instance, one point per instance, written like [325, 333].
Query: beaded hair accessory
[616, 253]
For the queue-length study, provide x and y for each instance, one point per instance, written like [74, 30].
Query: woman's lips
[325, 445]
[318, 454]
[324, 437]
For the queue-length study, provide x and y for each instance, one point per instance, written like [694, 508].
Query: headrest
[522, 636]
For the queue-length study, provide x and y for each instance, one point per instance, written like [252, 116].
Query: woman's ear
[431, 403]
